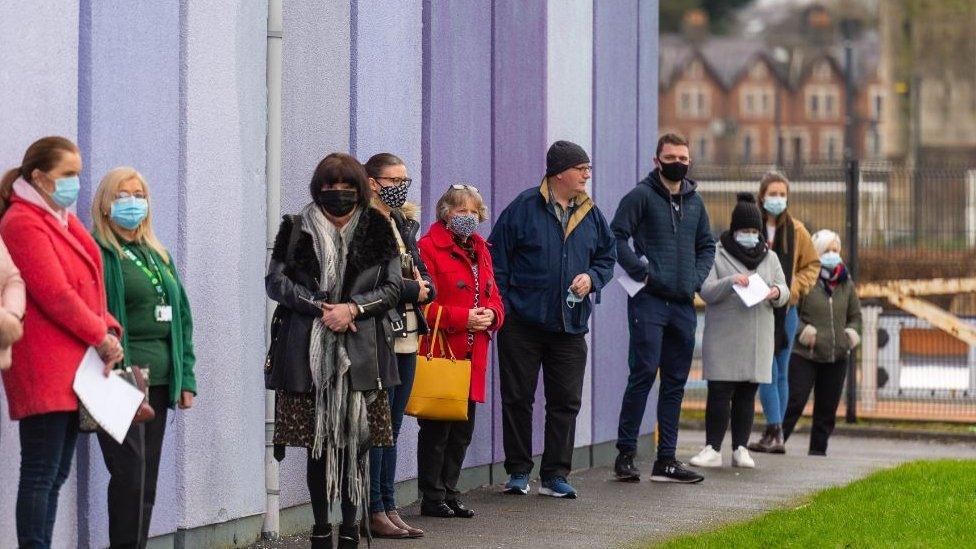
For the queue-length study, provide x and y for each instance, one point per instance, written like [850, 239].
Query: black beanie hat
[562, 156]
[746, 214]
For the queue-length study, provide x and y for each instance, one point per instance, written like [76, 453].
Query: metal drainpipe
[271, 528]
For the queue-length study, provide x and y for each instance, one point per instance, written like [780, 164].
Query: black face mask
[673, 171]
[337, 203]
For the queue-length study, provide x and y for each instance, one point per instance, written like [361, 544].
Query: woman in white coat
[737, 350]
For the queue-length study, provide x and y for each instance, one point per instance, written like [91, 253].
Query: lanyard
[155, 275]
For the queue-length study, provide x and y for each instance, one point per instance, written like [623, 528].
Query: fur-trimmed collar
[373, 243]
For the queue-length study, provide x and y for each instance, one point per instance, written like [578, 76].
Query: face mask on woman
[128, 212]
[394, 196]
[66, 191]
[747, 240]
[337, 203]
[830, 260]
[463, 225]
[775, 205]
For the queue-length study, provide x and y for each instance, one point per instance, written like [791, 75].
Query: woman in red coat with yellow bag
[470, 308]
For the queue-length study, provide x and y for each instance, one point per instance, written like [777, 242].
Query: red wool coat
[450, 269]
[66, 308]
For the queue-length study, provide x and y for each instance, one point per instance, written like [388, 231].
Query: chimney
[818, 25]
[694, 25]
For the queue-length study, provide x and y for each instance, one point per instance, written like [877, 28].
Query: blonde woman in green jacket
[146, 296]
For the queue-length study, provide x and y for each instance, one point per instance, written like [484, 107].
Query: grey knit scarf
[341, 425]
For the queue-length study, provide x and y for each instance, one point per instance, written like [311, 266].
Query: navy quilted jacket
[673, 249]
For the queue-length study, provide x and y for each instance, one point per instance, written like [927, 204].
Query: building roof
[729, 57]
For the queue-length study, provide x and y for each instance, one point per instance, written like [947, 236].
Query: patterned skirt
[294, 419]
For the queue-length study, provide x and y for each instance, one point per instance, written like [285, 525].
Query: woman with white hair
[830, 322]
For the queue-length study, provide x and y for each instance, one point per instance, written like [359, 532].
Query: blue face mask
[747, 240]
[66, 191]
[572, 299]
[775, 205]
[129, 212]
[830, 260]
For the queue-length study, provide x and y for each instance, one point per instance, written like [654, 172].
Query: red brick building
[743, 100]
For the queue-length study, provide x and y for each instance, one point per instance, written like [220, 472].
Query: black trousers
[315, 477]
[441, 446]
[522, 349]
[725, 397]
[827, 381]
[134, 469]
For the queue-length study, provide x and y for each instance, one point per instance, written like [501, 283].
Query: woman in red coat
[66, 314]
[470, 308]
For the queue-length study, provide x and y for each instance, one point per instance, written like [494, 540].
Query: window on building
[830, 105]
[766, 102]
[693, 101]
[747, 148]
[877, 106]
[685, 106]
[831, 145]
[702, 150]
[874, 143]
[750, 103]
[814, 106]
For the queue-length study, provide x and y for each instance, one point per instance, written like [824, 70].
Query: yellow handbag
[441, 386]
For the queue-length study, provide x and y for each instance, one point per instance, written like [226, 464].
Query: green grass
[920, 504]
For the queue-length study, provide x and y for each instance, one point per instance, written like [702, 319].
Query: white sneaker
[741, 458]
[708, 457]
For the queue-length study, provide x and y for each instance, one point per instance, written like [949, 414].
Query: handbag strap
[437, 337]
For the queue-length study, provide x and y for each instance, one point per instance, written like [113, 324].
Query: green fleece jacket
[181, 328]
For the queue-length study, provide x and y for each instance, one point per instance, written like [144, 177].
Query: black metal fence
[909, 234]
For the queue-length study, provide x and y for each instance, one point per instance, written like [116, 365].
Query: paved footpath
[612, 514]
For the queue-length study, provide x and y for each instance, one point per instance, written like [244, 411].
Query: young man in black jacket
[672, 253]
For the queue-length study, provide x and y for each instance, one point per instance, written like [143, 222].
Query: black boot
[348, 536]
[778, 445]
[439, 509]
[765, 443]
[321, 537]
[459, 509]
[624, 467]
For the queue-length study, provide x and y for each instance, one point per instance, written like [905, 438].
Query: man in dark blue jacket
[672, 253]
[551, 248]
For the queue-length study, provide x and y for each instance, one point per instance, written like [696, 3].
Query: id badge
[164, 313]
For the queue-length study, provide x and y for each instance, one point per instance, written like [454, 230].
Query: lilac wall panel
[614, 154]
[386, 117]
[519, 135]
[457, 125]
[647, 58]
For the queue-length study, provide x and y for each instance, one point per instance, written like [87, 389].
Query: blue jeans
[382, 461]
[774, 395]
[47, 447]
[662, 337]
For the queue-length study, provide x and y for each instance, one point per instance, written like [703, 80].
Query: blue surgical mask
[128, 212]
[830, 260]
[747, 240]
[572, 299]
[66, 191]
[775, 205]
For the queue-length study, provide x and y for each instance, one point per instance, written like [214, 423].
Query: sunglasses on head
[461, 187]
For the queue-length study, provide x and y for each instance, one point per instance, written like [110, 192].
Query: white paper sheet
[630, 285]
[755, 292]
[111, 400]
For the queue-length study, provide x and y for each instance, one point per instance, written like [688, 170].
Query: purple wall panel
[519, 131]
[457, 126]
[615, 157]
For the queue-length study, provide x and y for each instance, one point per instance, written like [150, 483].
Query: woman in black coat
[335, 272]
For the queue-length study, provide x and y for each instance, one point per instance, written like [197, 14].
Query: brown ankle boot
[778, 446]
[381, 527]
[764, 444]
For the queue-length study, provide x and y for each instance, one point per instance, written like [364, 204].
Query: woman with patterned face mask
[146, 295]
[470, 307]
[65, 315]
[389, 182]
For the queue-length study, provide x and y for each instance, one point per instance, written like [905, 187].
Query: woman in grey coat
[738, 345]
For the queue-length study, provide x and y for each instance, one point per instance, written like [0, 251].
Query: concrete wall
[463, 91]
